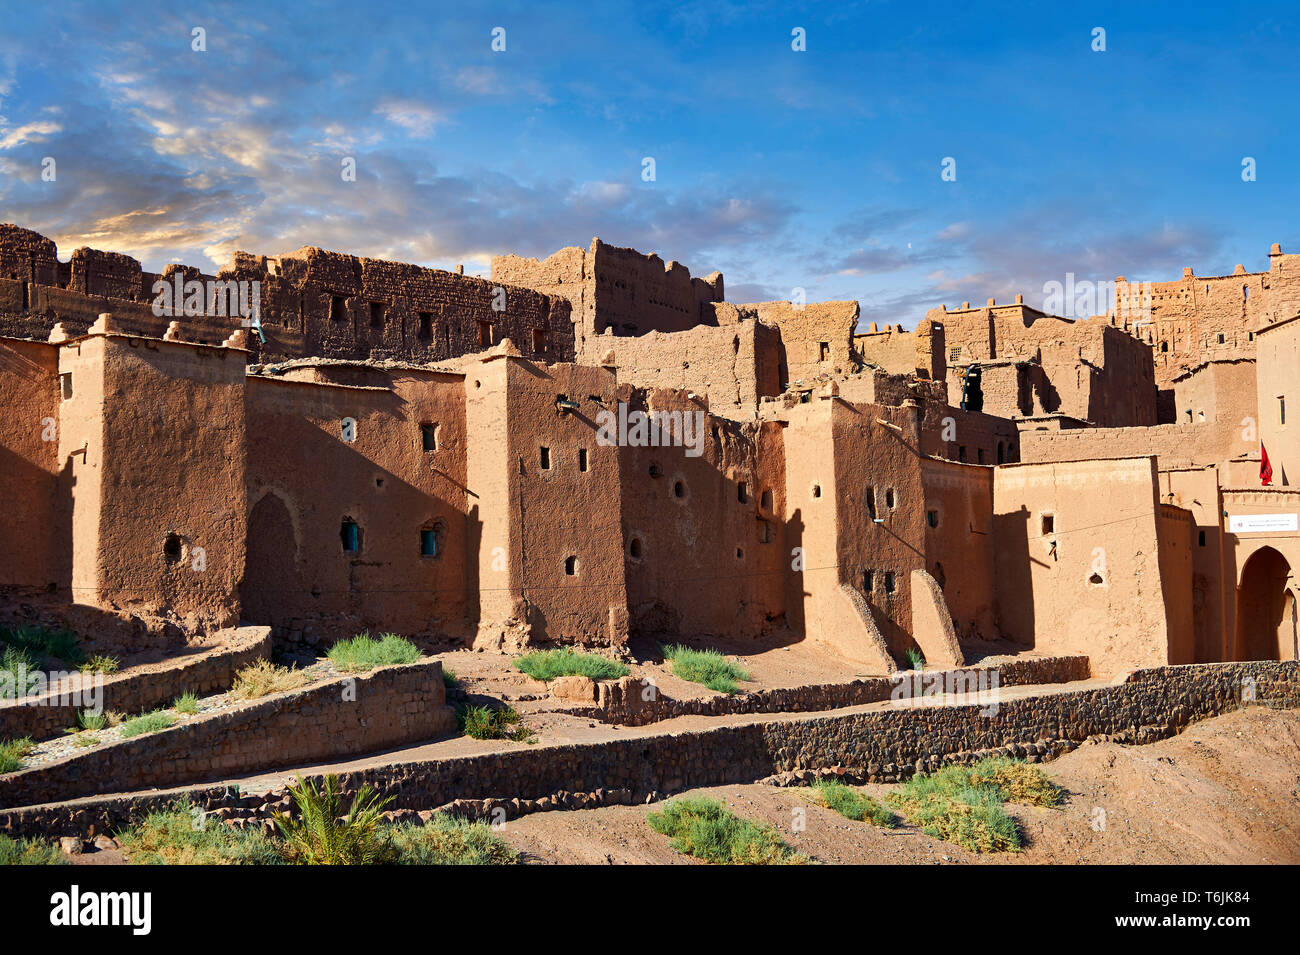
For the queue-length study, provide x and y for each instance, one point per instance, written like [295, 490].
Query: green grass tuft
[852, 804]
[187, 703]
[484, 722]
[147, 723]
[708, 830]
[449, 679]
[182, 835]
[708, 667]
[915, 659]
[29, 852]
[364, 652]
[12, 752]
[100, 663]
[446, 840]
[547, 665]
[963, 804]
[41, 642]
[90, 720]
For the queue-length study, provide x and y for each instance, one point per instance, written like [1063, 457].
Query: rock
[579, 689]
[72, 845]
[105, 842]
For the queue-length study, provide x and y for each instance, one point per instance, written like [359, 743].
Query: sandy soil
[1226, 791]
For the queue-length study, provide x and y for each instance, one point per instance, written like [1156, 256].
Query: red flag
[1265, 469]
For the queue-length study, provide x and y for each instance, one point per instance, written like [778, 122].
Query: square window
[1049, 524]
[428, 542]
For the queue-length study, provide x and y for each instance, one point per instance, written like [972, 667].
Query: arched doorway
[1266, 609]
[271, 587]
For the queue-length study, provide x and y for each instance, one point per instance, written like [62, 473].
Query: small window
[979, 455]
[350, 534]
[544, 458]
[656, 471]
[679, 489]
[871, 503]
[65, 385]
[376, 315]
[1200, 538]
[1281, 409]
[1096, 580]
[429, 437]
[429, 541]
[539, 341]
[338, 313]
[740, 553]
[1002, 453]
[742, 492]
[484, 334]
[764, 532]
[932, 518]
[954, 354]
[889, 497]
[634, 548]
[869, 581]
[816, 490]
[172, 549]
[426, 325]
[825, 348]
[1049, 524]
[961, 452]
[889, 581]
[1220, 338]
[582, 459]
[571, 566]
[765, 502]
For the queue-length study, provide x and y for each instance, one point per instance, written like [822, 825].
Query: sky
[814, 172]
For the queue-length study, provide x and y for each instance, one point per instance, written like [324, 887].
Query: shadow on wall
[1014, 580]
[1266, 609]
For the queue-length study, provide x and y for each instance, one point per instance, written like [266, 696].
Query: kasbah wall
[407, 449]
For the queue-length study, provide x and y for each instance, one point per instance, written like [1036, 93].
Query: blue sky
[817, 169]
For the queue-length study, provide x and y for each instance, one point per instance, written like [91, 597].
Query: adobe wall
[1176, 445]
[1197, 491]
[970, 437]
[155, 430]
[541, 512]
[1089, 580]
[711, 557]
[1218, 390]
[734, 365]
[34, 559]
[1252, 604]
[920, 352]
[1176, 533]
[344, 716]
[817, 338]
[300, 579]
[959, 542]
[1278, 397]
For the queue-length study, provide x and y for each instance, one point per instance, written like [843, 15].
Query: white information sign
[1261, 523]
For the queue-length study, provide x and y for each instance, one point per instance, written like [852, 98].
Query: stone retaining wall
[623, 701]
[48, 714]
[883, 744]
[344, 716]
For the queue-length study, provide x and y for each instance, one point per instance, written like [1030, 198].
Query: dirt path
[1225, 791]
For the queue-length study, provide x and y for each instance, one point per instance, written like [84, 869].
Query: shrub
[90, 720]
[101, 664]
[915, 659]
[963, 804]
[187, 703]
[446, 840]
[484, 722]
[364, 652]
[264, 678]
[318, 836]
[449, 679]
[547, 665]
[708, 667]
[708, 830]
[29, 852]
[182, 835]
[40, 642]
[147, 723]
[852, 804]
[12, 752]
[114, 717]
[16, 669]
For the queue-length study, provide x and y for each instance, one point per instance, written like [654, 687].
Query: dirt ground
[1225, 791]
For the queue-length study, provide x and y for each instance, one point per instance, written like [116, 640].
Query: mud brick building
[408, 449]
